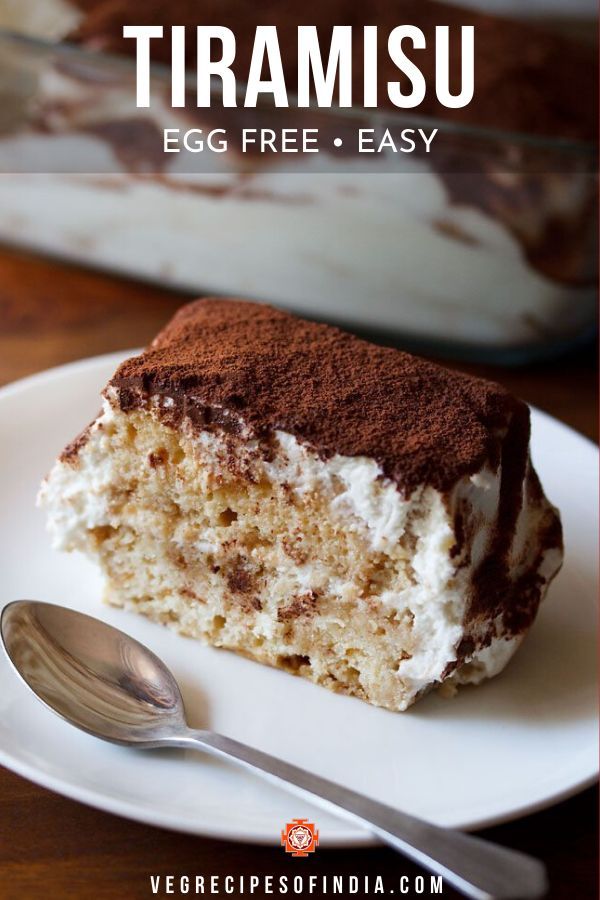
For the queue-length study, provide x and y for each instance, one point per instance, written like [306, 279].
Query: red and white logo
[300, 837]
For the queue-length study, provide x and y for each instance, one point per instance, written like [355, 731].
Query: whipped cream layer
[398, 240]
[451, 642]
[332, 507]
[51, 19]
[496, 259]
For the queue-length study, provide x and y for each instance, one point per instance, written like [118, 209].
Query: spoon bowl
[108, 684]
[92, 674]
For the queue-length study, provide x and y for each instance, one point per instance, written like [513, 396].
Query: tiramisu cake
[340, 510]
[489, 241]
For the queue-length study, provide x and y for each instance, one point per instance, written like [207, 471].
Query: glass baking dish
[489, 254]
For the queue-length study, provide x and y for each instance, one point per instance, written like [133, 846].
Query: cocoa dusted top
[233, 364]
[526, 80]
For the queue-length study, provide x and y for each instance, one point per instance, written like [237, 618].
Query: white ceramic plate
[511, 746]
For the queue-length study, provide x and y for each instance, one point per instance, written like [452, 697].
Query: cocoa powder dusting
[70, 454]
[248, 370]
[238, 366]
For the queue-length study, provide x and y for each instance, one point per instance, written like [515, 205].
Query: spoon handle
[475, 867]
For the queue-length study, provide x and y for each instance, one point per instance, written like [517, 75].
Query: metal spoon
[106, 683]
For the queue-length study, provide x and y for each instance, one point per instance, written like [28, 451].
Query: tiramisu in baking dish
[488, 242]
[340, 510]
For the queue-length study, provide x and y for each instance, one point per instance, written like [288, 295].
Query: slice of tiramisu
[341, 510]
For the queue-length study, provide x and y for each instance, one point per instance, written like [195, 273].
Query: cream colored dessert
[46, 19]
[499, 254]
[343, 511]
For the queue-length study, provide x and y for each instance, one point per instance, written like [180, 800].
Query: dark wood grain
[55, 848]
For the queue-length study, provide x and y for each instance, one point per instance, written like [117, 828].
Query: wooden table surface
[55, 848]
